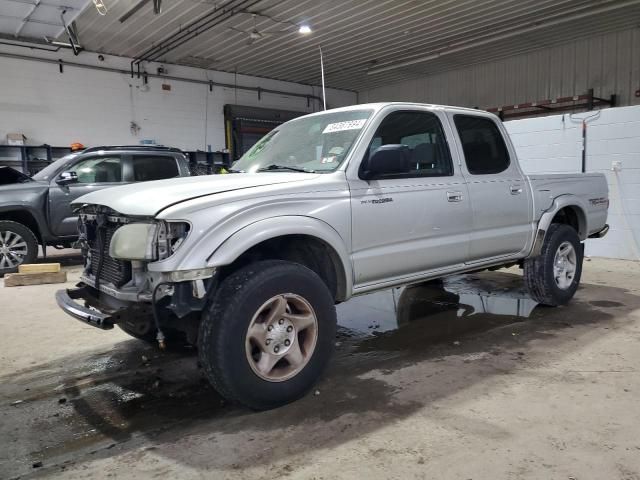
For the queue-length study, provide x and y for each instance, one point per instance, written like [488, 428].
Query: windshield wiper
[274, 166]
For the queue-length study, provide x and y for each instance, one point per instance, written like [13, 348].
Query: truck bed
[590, 189]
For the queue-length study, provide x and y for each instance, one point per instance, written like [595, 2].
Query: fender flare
[253, 234]
[547, 217]
[41, 224]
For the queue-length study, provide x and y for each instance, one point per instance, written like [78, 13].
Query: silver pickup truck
[249, 266]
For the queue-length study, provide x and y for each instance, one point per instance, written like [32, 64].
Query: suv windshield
[318, 143]
[47, 172]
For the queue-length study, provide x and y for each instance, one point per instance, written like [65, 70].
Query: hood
[15, 192]
[147, 199]
[9, 176]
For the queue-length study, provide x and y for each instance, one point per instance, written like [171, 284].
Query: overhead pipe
[209, 83]
[518, 31]
[179, 38]
[227, 13]
[324, 96]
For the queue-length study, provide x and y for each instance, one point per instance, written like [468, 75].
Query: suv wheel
[267, 334]
[553, 277]
[18, 245]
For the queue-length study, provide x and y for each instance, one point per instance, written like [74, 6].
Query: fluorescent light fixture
[304, 29]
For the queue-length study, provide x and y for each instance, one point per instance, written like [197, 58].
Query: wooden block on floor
[26, 279]
[39, 268]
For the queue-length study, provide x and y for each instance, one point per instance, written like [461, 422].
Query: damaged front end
[116, 286]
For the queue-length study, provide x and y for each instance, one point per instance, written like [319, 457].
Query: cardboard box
[16, 139]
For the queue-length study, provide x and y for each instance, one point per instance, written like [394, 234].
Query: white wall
[554, 144]
[96, 107]
[607, 63]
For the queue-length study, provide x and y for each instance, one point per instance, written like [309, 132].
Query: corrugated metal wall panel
[607, 63]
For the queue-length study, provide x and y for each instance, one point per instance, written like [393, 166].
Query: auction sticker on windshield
[341, 126]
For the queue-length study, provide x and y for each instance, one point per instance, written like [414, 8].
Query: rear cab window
[485, 152]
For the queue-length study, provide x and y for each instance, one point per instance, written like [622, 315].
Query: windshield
[50, 170]
[318, 143]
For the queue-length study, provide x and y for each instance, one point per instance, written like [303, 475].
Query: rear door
[404, 224]
[499, 194]
[94, 173]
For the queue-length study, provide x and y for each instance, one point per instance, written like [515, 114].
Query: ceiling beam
[26, 18]
[516, 31]
[42, 22]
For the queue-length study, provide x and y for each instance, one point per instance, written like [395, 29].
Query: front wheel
[552, 278]
[18, 245]
[268, 334]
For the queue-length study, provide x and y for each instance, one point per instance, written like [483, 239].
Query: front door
[407, 223]
[500, 199]
[94, 173]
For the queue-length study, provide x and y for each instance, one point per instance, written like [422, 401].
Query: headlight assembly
[170, 236]
[147, 241]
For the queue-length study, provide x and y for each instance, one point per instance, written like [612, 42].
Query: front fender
[257, 232]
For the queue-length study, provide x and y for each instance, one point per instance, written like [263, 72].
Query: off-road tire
[29, 238]
[538, 271]
[224, 325]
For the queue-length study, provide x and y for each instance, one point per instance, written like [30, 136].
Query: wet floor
[455, 301]
[87, 404]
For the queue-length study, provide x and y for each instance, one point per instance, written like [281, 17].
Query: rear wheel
[18, 245]
[268, 334]
[553, 277]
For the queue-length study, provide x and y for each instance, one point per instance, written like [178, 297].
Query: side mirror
[386, 160]
[66, 178]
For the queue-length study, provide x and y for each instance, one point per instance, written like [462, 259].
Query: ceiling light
[304, 29]
[100, 7]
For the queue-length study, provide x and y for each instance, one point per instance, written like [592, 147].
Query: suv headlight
[147, 241]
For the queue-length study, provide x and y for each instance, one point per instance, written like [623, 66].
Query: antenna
[324, 97]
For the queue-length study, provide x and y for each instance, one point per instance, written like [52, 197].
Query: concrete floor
[424, 384]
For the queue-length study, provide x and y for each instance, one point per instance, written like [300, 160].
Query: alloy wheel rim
[13, 249]
[281, 337]
[565, 265]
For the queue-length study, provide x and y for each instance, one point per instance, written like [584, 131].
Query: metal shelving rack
[30, 158]
[587, 101]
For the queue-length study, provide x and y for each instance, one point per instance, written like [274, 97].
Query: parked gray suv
[37, 211]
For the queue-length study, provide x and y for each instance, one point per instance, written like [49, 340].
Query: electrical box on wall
[166, 87]
[16, 139]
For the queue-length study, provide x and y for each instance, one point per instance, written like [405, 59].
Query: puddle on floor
[444, 308]
[91, 403]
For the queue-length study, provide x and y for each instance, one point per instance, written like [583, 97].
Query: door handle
[515, 189]
[454, 196]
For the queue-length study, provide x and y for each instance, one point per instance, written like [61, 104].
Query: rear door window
[154, 167]
[484, 149]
